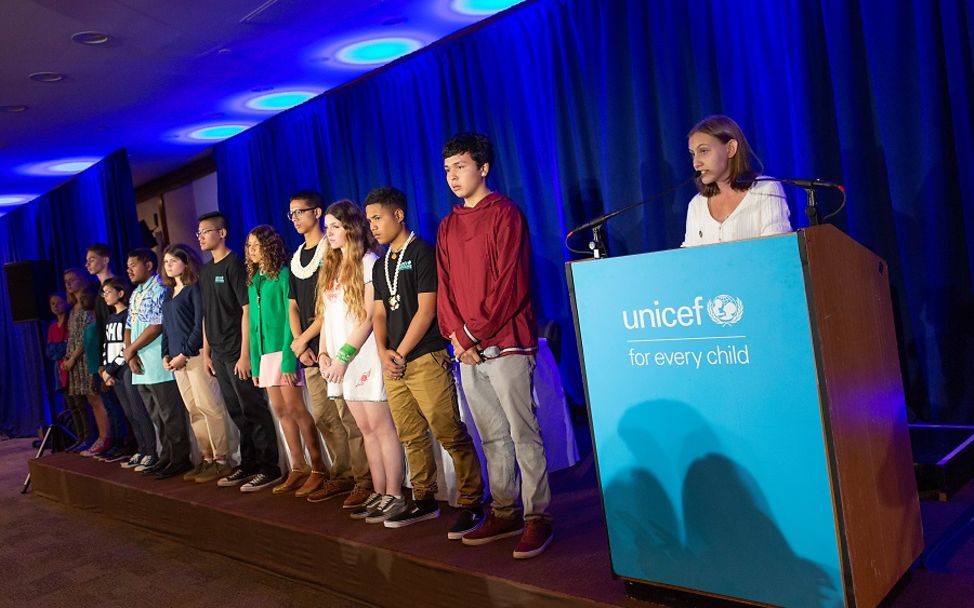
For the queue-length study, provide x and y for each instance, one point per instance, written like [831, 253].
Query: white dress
[363, 377]
[762, 212]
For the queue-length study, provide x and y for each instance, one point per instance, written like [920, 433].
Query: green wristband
[346, 352]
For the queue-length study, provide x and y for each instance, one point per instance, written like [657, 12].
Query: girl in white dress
[349, 360]
[730, 206]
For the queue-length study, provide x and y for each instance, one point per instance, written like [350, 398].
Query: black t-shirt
[305, 293]
[417, 275]
[224, 286]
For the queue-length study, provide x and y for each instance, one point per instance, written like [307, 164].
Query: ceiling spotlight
[63, 166]
[15, 199]
[212, 133]
[481, 7]
[13, 109]
[90, 38]
[281, 100]
[377, 50]
[46, 77]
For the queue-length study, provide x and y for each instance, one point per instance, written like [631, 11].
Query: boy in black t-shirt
[350, 469]
[227, 356]
[417, 370]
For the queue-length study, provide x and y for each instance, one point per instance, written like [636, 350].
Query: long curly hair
[344, 265]
[272, 253]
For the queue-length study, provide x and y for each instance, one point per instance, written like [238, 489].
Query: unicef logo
[725, 310]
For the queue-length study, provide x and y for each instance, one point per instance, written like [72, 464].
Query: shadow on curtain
[96, 206]
[588, 104]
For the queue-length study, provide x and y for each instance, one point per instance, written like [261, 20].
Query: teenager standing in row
[227, 354]
[349, 472]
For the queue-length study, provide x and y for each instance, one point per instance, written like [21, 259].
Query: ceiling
[170, 68]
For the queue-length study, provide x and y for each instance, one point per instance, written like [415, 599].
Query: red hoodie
[483, 259]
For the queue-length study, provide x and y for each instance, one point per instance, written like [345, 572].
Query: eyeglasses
[293, 213]
[205, 232]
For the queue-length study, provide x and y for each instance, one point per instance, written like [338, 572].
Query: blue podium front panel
[704, 402]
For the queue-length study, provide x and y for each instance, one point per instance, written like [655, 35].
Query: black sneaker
[151, 471]
[415, 512]
[237, 477]
[469, 520]
[260, 481]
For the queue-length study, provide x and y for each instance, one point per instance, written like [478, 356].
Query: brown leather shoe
[294, 480]
[314, 482]
[357, 498]
[331, 489]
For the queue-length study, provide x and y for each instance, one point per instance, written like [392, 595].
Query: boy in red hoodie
[484, 308]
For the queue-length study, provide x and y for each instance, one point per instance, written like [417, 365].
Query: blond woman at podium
[730, 205]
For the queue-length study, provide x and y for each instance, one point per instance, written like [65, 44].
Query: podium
[748, 420]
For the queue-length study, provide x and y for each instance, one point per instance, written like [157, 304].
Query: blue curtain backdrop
[588, 103]
[96, 206]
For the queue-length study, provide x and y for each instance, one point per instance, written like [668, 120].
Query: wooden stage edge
[318, 544]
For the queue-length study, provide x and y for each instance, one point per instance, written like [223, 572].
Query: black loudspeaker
[29, 284]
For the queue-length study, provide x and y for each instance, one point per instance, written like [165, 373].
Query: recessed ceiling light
[13, 109]
[481, 7]
[46, 77]
[15, 199]
[280, 100]
[63, 166]
[90, 38]
[211, 133]
[377, 50]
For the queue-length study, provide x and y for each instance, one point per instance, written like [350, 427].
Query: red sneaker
[536, 538]
[494, 528]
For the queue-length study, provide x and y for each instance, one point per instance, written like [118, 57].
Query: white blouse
[762, 212]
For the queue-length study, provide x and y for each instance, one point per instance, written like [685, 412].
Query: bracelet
[346, 352]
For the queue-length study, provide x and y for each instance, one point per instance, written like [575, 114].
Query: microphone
[801, 183]
[608, 216]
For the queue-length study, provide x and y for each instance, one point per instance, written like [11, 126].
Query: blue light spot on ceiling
[481, 7]
[10, 200]
[281, 100]
[71, 166]
[62, 166]
[216, 132]
[377, 50]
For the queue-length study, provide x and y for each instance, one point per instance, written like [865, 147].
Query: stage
[320, 545]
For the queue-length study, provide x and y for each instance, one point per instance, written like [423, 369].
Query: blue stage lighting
[481, 7]
[377, 50]
[216, 132]
[63, 166]
[12, 200]
[279, 100]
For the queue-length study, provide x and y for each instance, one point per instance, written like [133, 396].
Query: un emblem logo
[725, 310]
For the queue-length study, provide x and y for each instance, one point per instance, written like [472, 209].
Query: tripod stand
[57, 430]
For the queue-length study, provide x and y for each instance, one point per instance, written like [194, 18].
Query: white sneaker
[132, 462]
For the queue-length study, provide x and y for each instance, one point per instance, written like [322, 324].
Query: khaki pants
[424, 400]
[207, 413]
[337, 427]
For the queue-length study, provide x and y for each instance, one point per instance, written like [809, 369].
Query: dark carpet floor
[53, 556]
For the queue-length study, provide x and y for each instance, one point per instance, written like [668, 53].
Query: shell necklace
[393, 285]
